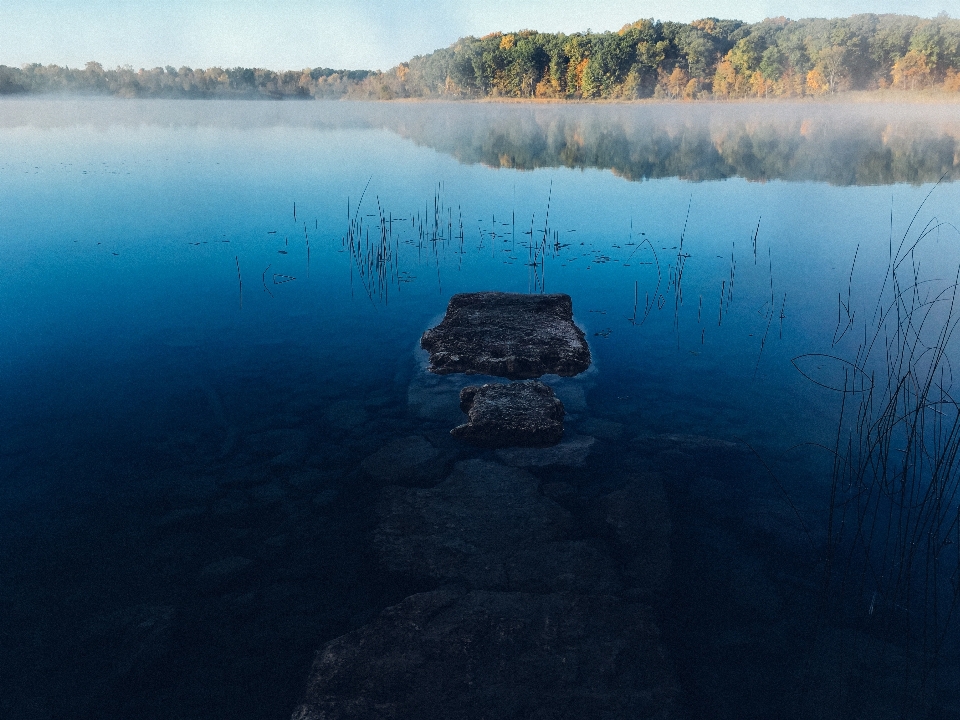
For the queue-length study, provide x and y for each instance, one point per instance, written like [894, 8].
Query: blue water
[186, 394]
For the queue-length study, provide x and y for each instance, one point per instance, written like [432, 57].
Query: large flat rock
[523, 414]
[470, 655]
[509, 335]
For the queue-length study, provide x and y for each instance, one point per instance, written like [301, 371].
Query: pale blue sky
[376, 34]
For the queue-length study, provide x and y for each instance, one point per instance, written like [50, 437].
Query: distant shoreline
[705, 60]
[850, 97]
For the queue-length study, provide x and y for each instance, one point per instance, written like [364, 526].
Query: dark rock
[572, 452]
[523, 414]
[459, 656]
[509, 335]
[637, 519]
[488, 526]
[411, 459]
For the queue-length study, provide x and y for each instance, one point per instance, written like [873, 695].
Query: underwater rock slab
[602, 429]
[525, 414]
[637, 519]
[488, 526]
[410, 458]
[435, 397]
[509, 335]
[572, 452]
[471, 655]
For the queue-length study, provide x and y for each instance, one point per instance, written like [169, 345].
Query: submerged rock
[525, 414]
[435, 397]
[509, 335]
[471, 655]
[572, 452]
[637, 520]
[488, 526]
[410, 458]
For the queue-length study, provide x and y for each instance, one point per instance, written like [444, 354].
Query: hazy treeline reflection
[833, 144]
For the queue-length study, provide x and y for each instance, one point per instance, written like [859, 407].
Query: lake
[212, 387]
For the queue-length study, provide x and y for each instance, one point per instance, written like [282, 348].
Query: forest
[705, 59]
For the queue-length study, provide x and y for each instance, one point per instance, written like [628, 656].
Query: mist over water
[195, 363]
[836, 143]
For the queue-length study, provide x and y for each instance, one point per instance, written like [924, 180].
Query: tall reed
[891, 567]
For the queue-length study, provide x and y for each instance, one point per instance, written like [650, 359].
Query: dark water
[194, 363]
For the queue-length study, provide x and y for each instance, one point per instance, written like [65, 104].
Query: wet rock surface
[525, 414]
[509, 335]
[455, 654]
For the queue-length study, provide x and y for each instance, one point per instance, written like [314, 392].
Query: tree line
[184, 82]
[708, 58]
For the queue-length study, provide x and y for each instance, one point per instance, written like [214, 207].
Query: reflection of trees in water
[638, 146]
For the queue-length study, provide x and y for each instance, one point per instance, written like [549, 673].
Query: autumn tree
[951, 82]
[725, 80]
[675, 83]
[911, 71]
[816, 82]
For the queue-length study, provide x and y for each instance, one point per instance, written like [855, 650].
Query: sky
[351, 34]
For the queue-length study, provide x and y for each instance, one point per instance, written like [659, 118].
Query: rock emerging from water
[524, 414]
[509, 335]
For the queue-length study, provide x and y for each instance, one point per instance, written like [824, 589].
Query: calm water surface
[194, 362]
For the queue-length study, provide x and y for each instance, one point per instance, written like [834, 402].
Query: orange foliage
[580, 69]
[675, 83]
[759, 85]
[707, 25]
[911, 71]
[725, 79]
[951, 83]
[816, 83]
[546, 88]
[790, 84]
